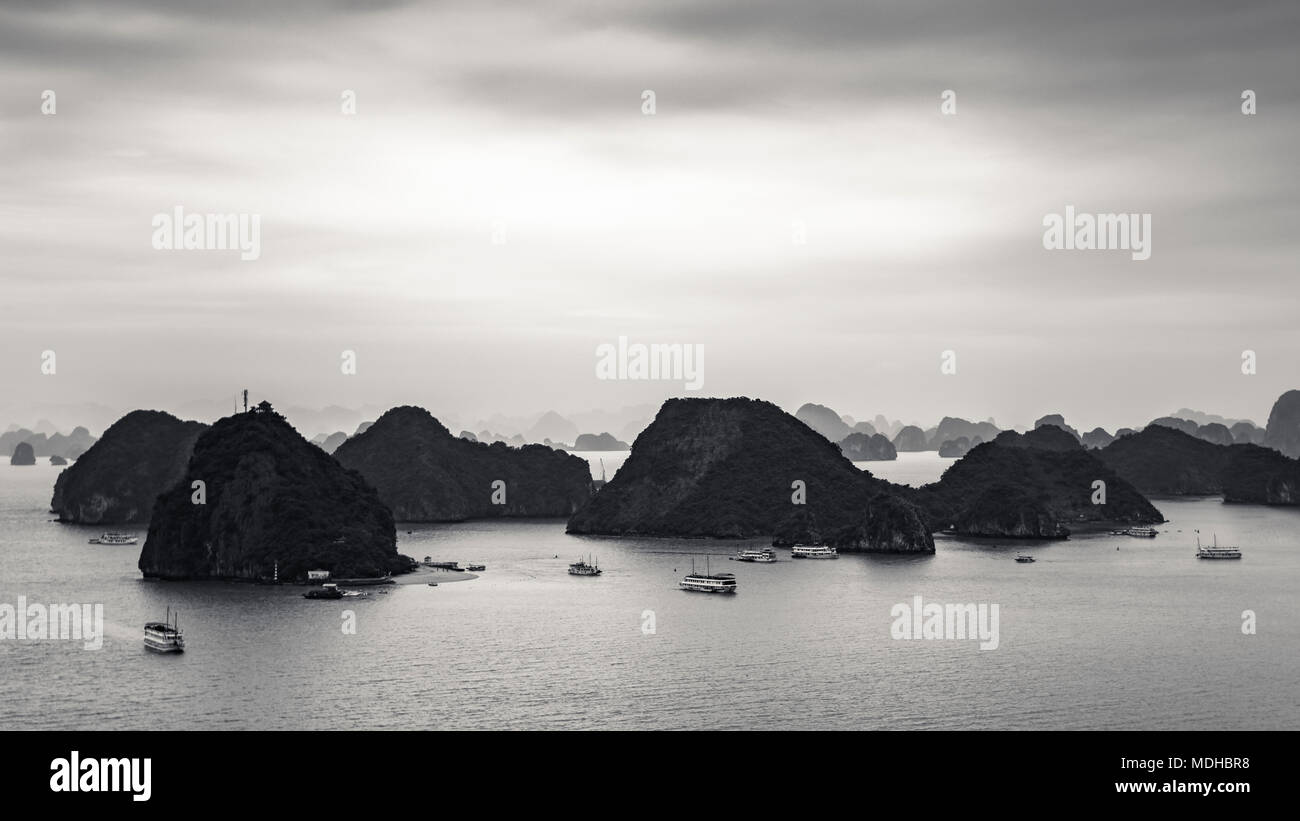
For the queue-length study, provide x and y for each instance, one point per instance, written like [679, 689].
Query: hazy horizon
[499, 206]
[96, 417]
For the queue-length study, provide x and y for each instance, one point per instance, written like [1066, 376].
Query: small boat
[325, 591]
[707, 582]
[165, 636]
[817, 551]
[476, 568]
[114, 538]
[764, 556]
[582, 568]
[1215, 552]
[433, 584]
[1023, 559]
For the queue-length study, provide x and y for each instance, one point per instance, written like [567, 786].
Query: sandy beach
[434, 574]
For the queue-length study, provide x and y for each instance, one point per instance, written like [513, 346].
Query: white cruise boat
[1215, 552]
[1141, 532]
[164, 636]
[814, 551]
[114, 538]
[707, 582]
[765, 555]
[584, 568]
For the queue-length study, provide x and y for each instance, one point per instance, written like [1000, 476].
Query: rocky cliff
[824, 420]
[1035, 485]
[425, 474]
[1259, 475]
[1008, 511]
[910, 439]
[955, 448]
[1245, 433]
[953, 428]
[1215, 433]
[23, 455]
[733, 468]
[1058, 421]
[270, 497]
[603, 441]
[1161, 460]
[1097, 438]
[860, 447]
[1168, 462]
[117, 480]
[1283, 430]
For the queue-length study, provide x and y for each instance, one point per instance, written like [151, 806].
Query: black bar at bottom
[244, 771]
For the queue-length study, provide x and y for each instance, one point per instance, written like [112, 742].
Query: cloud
[921, 229]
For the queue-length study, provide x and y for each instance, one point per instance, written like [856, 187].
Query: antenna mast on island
[245, 400]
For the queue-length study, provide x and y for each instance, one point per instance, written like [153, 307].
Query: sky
[501, 205]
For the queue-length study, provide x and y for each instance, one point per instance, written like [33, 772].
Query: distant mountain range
[719, 468]
[955, 436]
[68, 446]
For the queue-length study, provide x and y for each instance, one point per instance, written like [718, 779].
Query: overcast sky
[923, 231]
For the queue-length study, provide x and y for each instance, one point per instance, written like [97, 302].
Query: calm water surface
[1144, 637]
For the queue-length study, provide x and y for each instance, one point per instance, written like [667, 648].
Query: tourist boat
[476, 567]
[1141, 532]
[816, 551]
[1023, 559]
[707, 582]
[582, 568]
[1215, 552]
[114, 538]
[164, 636]
[764, 556]
[325, 591]
[433, 584]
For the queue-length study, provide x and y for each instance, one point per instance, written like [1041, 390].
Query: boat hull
[695, 589]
